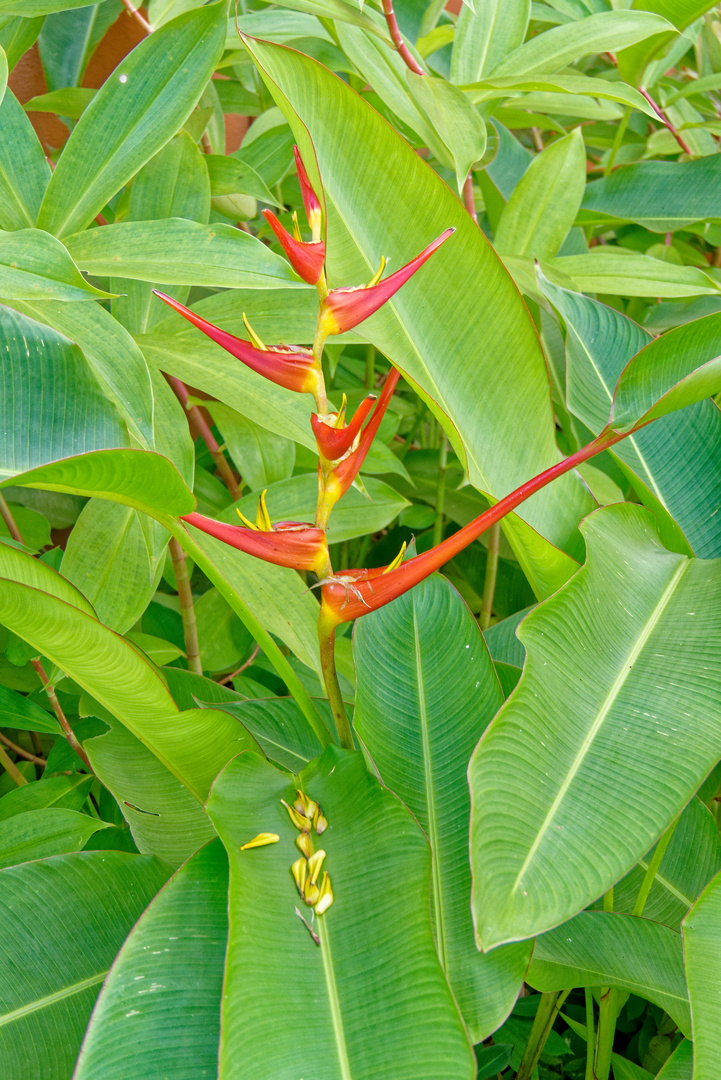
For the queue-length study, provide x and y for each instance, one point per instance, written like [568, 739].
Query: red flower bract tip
[295, 369]
[333, 442]
[306, 259]
[310, 199]
[288, 543]
[343, 309]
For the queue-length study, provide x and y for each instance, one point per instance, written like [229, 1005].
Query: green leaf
[70, 101]
[224, 641]
[17, 36]
[332, 9]
[614, 270]
[676, 370]
[17, 711]
[19, 566]
[34, 265]
[150, 94]
[426, 692]
[45, 1007]
[29, 8]
[485, 37]
[232, 176]
[659, 195]
[563, 45]
[262, 457]
[691, 859]
[673, 464]
[157, 649]
[68, 40]
[180, 252]
[295, 500]
[380, 1003]
[702, 949]
[280, 729]
[543, 206]
[135, 478]
[680, 1065]
[24, 172]
[485, 89]
[599, 948]
[36, 834]
[632, 62]
[50, 404]
[108, 559]
[552, 831]
[111, 354]
[64, 792]
[457, 122]
[397, 216]
[128, 1031]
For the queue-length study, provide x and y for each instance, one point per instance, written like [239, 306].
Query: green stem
[440, 491]
[652, 869]
[590, 1035]
[11, 768]
[607, 1016]
[187, 610]
[489, 584]
[548, 1009]
[370, 367]
[618, 139]
[6, 515]
[326, 639]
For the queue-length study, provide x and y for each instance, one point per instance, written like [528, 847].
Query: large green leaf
[380, 1004]
[598, 948]
[295, 500]
[135, 478]
[24, 172]
[280, 729]
[180, 252]
[17, 711]
[702, 949]
[426, 692]
[455, 119]
[615, 270]
[150, 94]
[563, 45]
[51, 406]
[543, 206]
[443, 345]
[33, 264]
[578, 85]
[660, 195]
[611, 758]
[110, 353]
[51, 982]
[129, 1033]
[675, 463]
[680, 1065]
[17, 565]
[484, 37]
[633, 61]
[36, 834]
[64, 792]
[261, 457]
[676, 370]
[114, 557]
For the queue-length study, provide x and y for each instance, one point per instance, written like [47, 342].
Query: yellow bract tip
[378, 275]
[296, 228]
[262, 518]
[397, 561]
[253, 336]
[261, 840]
[340, 418]
[243, 518]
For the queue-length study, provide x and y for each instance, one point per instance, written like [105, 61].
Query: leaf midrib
[51, 999]
[628, 665]
[333, 1001]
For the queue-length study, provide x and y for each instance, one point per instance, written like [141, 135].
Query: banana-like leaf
[24, 173]
[610, 757]
[33, 264]
[485, 37]
[455, 119]
[58, 792]
[599, 948]
[17, 565]
[151, 93]
[702, 948]
[180, 252]
[564, 84]
[680, 1065]
[51, 406]
[611, 270]
[136, 478]
[171, 964]
[674, 464]
[18, 711]
[279, 728]
[426, 692]
[380, 1004]
[382, 199]
[51, 983]
[36, 834]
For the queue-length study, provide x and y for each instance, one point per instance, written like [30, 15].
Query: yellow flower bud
[261, 840]
[325, 898]
[311, 894]
[299, 870]
[304, 844]
[298, 820]
[315, 862]
[320, 822]
[305, 806]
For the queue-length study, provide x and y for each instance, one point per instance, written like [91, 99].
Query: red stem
[198, 421]
[135, 14]
[397, 40]
[667, 123]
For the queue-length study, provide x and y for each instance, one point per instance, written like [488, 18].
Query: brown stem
[11, 769]
[187, 611]
[667, 123]
[198, 421]
[140, 19]
[397, 40]
[62, 719]
[9, 520]
[468, 201]
[489, 584]
[248, 662]
[326, 639]
[22, 753]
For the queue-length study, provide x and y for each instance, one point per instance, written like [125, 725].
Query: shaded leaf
[36, 834]
[702, 949]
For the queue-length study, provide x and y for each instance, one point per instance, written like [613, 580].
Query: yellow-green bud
[299, 870]
[305, 806]
[311, 894]
[261, 840]
[315, 862]
[325, 898]
[304, 844]
[320, 822]
[298, 820]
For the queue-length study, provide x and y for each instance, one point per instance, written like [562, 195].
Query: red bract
[332, 441]
[306, 259]
[343, 309]
[288, 543]
[310, 199]
[295, 369]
